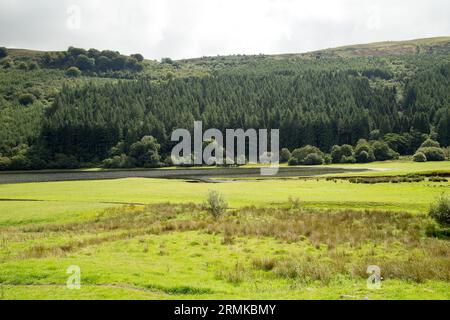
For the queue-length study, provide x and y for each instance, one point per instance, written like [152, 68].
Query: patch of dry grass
[333, 242]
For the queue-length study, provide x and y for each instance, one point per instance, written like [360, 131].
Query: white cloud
[190, 28]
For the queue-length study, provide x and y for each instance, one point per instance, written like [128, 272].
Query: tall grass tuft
[215, 204]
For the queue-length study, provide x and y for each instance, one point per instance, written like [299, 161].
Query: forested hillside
[73, 108]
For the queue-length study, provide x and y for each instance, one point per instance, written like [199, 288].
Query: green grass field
[141, 239]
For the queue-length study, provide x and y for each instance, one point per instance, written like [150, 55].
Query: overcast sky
[193, 28]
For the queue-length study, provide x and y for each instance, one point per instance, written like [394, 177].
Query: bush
[139, 57]
[3, 52]
[429, 143]
[20, 162]
[293, 161]
[347, 150]
[382, 151]
[121, 161]
[73, 72]
[440, 210]
[83, 62]
[168, 162]
[26, 99]
[348, 159]
[342, 154]
[215, 204]
[447, 152]
[313, 159]
[336, 154]
[146, 152]
[364, 152]
[285, 155]
[433, 153]
[375, 134]
[22, 66]
[5, 163]
[363, 157]
[327, 159]
[33, 65]
[301, 153]
[434, 230]
[420, 157]
[7, 63]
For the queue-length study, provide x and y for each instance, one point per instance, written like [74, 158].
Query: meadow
[281, 238]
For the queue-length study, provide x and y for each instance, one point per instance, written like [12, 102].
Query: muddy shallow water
[195, 174]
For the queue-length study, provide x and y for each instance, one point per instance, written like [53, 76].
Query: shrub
[363, 157]
[22, 66]
[264, 263]
[313, 159]
[348, 159]
[419, 157]
[382, 151]
[20, 162]
[433, 153]
[327, 159]
[7, 63]
[83, 62]
[139, 57]
[292, 161]
[3, 52]
[342, 154]
[168, 162]
[436, 231]
[146, 152]
[33, 65]
[26, 99]
[336, 154]
[447, 152]
[121, 161]
[347, 150]
[364, 146]
[430, 143]
[440, 210]
[294, 203]
[400, 143]
[73, 72]
[375, 134]
[5, 163]
[301, 153]
[285, 155]
[215, 204]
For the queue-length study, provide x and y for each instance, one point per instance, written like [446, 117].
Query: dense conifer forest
[89, 107]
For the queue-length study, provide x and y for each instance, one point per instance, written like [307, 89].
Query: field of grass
[150, 239]
[180, 252]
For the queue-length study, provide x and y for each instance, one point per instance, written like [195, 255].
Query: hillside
[385, 48]
[53, 115]
[418, 46]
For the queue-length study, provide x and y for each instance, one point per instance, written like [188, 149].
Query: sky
[194, 28]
